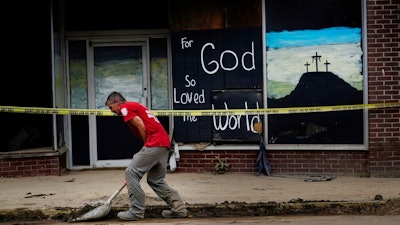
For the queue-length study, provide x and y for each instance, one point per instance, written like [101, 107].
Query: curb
[226, 209]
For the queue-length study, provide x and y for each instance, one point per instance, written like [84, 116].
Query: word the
[189, 119]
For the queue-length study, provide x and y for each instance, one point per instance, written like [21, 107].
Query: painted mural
[314, 58]
[217, 69]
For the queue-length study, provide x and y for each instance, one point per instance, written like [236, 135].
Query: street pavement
[73, 190]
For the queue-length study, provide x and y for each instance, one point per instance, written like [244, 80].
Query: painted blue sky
[303, 38]
[288, 53]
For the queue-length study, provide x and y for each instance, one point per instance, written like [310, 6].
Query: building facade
[321, 78]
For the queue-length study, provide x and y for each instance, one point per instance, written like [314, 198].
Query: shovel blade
[96, 213]
[99, 211]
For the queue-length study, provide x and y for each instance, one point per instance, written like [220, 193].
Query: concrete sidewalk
[75, 189]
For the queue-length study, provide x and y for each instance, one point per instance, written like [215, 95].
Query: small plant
[221, 166]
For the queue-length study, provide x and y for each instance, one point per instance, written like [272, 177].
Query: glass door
[115, 67]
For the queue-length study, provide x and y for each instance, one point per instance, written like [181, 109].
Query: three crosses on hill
[317, 58]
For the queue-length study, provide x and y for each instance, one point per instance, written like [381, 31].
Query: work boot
[174, 214]
[126, 215]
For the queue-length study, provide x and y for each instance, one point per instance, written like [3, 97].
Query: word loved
[189, 96]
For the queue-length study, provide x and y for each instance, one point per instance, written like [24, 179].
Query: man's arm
[138, 123]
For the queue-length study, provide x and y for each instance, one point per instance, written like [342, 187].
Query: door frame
[110, 37]
[94, 161]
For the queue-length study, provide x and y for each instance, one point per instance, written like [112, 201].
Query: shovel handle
[116, 193]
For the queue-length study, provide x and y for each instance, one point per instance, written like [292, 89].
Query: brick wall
[383, 37]
[354, 163]
[194, 161]
[20, 165]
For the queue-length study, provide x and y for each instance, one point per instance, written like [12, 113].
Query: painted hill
[318, 89]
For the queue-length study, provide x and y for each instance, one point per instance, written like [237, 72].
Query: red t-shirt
[156, 136]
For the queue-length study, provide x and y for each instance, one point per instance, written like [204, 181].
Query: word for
[186, 44]
[226, 53]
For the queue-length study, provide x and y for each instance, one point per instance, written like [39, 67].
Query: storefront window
[314, 57]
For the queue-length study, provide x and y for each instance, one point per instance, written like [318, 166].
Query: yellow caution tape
[200, 112]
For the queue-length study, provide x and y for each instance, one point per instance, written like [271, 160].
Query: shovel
[101, 210]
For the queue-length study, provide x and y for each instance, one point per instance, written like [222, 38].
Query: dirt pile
[226, 209]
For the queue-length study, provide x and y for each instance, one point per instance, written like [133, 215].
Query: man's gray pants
[152, 161]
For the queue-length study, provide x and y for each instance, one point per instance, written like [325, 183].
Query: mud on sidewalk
[225, 209]
[206, 195]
